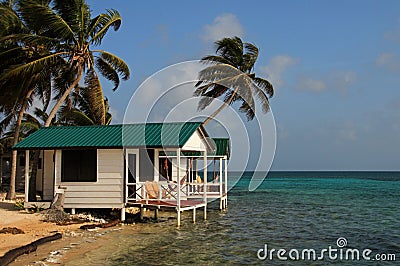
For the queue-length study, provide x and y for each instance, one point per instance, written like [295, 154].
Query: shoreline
[75, 242]
[67, 250]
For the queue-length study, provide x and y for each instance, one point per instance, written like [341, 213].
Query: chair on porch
[153, 190]
[173, 186]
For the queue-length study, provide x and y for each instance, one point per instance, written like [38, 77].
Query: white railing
[167, 190]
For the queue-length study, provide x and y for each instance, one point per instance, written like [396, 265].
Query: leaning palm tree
[230, 76]
[17, 94]
[63, 32]
[71, 32]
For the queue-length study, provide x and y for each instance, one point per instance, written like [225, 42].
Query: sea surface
[289, 210]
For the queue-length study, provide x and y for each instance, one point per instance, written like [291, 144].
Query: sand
[30, 223]
[74, 243]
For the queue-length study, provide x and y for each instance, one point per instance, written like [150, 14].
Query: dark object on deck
[11, 255]
[106, 225]
[11, 230]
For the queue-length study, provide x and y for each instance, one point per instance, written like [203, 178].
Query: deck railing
[165, 190]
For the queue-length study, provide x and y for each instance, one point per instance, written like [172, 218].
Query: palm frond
[41, 17]
[248, 110]
[6, 122]
[93, 94]
[101, 25]
[108, 71]
[215, 59]
[28, 127]
[222, 74]
[250, 57]
[265, 86]
[75, 117]
[262, 99]
[41, 114]
[10, 21]
[232, 49]
[32, 40]
[117, 63]
[35, 66]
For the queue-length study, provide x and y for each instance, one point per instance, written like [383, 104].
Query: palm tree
[230, 75]
[63, 32]
[71, 32]
[16, 95]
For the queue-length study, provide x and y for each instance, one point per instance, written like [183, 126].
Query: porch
[189, 185]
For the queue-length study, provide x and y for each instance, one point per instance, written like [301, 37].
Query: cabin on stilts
[152, 165]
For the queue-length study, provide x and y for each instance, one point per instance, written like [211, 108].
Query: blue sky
[334, 65]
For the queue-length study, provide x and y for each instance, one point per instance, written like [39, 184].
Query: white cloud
[343, 80]
[339, 81]
[226, 25]
[276, 67]
[310, 84]
[389, 61]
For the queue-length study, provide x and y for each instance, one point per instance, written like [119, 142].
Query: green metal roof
[222, 146]
[111, 136]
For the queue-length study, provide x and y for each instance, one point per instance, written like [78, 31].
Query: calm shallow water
[300, 210]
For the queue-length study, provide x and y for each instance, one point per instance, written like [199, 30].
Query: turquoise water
[290, 210]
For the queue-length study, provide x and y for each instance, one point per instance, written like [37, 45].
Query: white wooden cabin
[153, 165]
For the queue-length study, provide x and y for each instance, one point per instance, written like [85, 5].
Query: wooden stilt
[205, 212]
[194, 215]
[123, 214]
[179, 218]
[73, 211]
[156, 214]
[141, 213]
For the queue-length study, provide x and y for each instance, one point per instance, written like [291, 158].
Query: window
[79, 166]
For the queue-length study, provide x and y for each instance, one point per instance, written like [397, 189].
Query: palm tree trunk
[225, 104]
[62, 99]
[11, 190]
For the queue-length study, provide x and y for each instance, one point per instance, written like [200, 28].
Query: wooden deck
[187, 204]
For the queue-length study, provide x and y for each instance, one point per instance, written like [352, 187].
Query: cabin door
[132, 174]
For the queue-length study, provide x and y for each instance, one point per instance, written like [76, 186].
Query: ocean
[334, 215]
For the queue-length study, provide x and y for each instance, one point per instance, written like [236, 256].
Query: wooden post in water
[141, 213]
[156, 214]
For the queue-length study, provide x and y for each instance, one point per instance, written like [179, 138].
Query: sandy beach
[57, 252]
